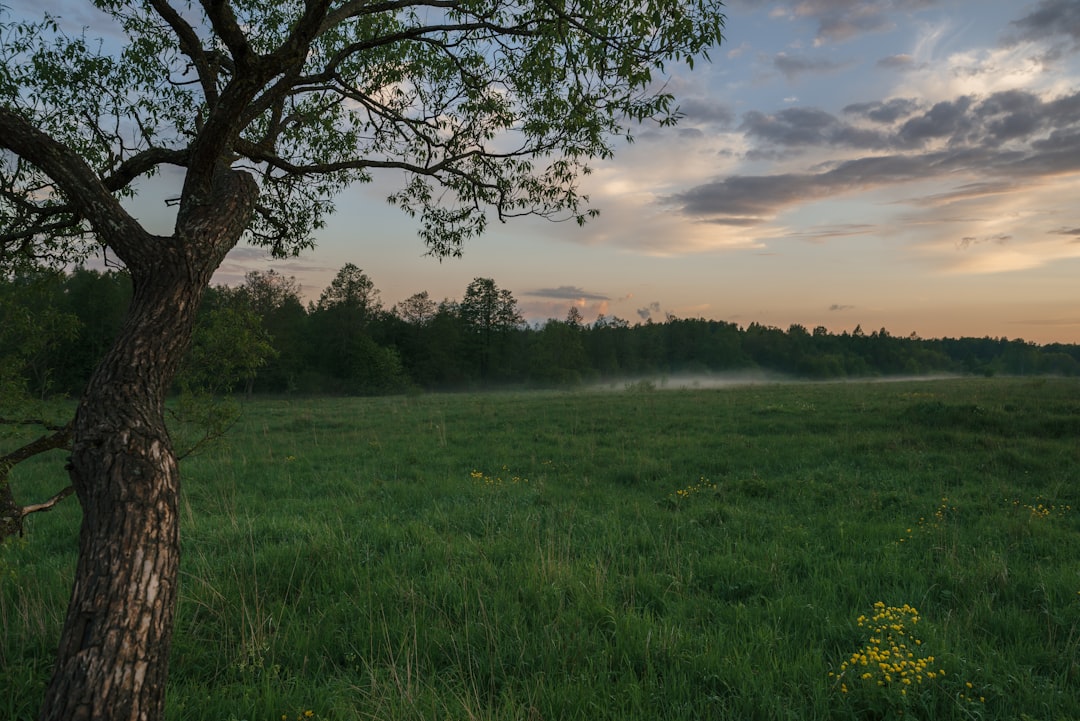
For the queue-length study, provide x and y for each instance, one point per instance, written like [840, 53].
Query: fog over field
[709, 381]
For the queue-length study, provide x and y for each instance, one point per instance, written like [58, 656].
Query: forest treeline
[261, 337]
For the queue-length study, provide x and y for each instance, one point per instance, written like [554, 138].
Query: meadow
[795, 551]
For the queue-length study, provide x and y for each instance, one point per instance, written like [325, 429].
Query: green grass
[681, 554]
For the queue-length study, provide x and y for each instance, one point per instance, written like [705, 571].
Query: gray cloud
[566, 292]
[944, 119]
[885, 112]
[970, 240]
[702, 110]
[1050, 19]
[741, 197]
[838, 306]
[965, 121]
[646, 312]
[896, 62]
[966, 191]
[1011, 114]
[851, 21]
[840, 20]
[1070, 231]
[822, 233]
[808, 126]
[794, 66]
[1006, 138]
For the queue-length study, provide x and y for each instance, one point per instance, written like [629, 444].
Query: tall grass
[631, 554]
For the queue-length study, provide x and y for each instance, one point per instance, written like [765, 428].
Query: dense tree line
[261, 337]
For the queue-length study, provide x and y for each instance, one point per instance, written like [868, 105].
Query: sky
[912, 165]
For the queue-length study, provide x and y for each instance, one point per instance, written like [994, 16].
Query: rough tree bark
[113, 657]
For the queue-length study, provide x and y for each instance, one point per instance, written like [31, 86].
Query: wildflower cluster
[941, 515]
[702, 485]
[307, 715]
[892, 658]
[1039, 509]
[498, 479]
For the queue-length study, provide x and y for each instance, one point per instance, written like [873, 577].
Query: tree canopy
[487, 106]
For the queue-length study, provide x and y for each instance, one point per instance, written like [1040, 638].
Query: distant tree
[490, 314]
[35, 326]
[557, 354]
[275, 298]
[99, 299]
[607, 344]
[352, 297]
[418, 309]
[228, 347]
[266, 292]
[341, 341]
[443, 360]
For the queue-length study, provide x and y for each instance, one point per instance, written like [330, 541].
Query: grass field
[805, 551]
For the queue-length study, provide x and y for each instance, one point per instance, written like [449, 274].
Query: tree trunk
[113, 658]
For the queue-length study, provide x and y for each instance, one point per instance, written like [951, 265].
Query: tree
[275, 298]
[270, 110]
[342, 344]
[353, 295]
[418, 309]
[557, 353]
[490, 313]
[269, 291]
[99, 300]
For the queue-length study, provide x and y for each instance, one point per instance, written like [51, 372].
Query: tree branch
[76, 180]
[12, 514]
[228, 29]
[46, 506]
[47, 425]
[190, 45]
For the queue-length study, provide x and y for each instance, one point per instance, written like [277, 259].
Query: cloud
[970, 240]
[951, 138]
[838, 307]
[885, 111]
[808, 126]
[1069, 231]
[566, 292]
[818, 234]
[967, 191]
[794, 66]
[842, 20]
[748, 196]
[988, 144]
[646, 312]
[1050, 19]
[706, 111]
[942, 120]
[848, 22]
[900, 61]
